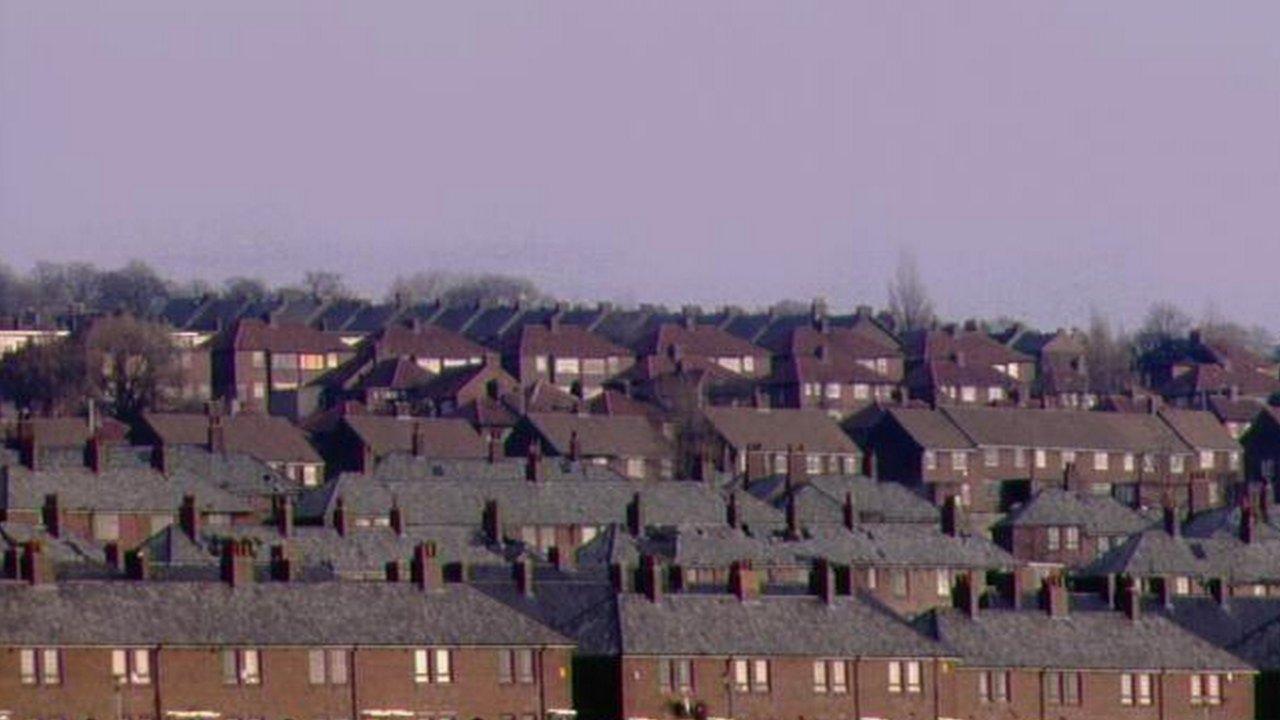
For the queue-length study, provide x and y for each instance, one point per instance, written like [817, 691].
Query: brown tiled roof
[1199, 429]
[701, 340]
[929, 428]
[70, 431]
[565, 341]
[828, 363]
[977, 347]
[941, 371]
[486, 412]
[254, 334]
[776, 429]
[1029, 427]
[445, 437]
[1203, 378]
[1228, 410]
[601, 435]
[423, 341]
[396, 373]
[265, 437]
[843, 341]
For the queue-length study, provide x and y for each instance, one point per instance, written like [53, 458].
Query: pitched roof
[1033, 427]
[686, 624]
[422, 341]
[444, 437]
[266, 614]
[1083, 640]
[929, 428]
[1101, 515]
[977, 347]
[265, 437]
[699, 340]
[255, 334]
[601, 435]
[564, 341]
[778, 429]
[1199, 429]
[820, 499]
[396, 373]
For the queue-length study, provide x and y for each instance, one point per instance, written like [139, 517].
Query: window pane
[504, 666]
[740, 681]
[338, 667]
[50, 672]
[760, 676]
[664, 674]
[315, 667]
[119, 664]
[524, 666]
[27, 663]
[443, 668]
[420, 673]
[249, 667]
[229, 673]
[819, 676]
[839, 677]
[142, 667]
[895, 677]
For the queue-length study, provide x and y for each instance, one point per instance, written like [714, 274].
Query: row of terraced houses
[526, 513]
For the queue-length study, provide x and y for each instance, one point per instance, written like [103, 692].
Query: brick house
[567, 356]
[1261, 443]
[965, 366]
[747, 655]
[629, 444]
[237, 649]
[358, 442]
[1062, 663]
[756, 442]
[1062, 527]
[836, 372]
[259, 362]
[993, 457]
[1062, 372]
[273, 440]
[1186, 372]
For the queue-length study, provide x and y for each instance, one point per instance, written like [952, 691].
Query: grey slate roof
[404, 466]
[265, 614]
[1156, 552]
[1082, 640]
[777, 429]
[685, 624]
[820, 499]
[1100, 515]
[886, 544]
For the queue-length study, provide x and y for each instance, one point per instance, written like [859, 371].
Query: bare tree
[244, 288]
[453, 289]
[909, 302]
[325, 285]
[1108, 356]
[131, 364]
[47, 377]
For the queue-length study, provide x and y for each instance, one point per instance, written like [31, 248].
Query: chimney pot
[425, 568]
[524, 576]
[136, 566]
[743, 581]
[189, 517]
[651, 577]
[341, 520]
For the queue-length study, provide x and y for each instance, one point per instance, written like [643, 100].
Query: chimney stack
[524, 577]
[620, 578]
[37, 567]
[1248, 525]
[28, 444]
[824, 580]
[967, 595]
[341, 521]
[1056, 599]
[850, 511]
[284, 515]
[1218, 588]
[651, 578]
[282, 568]
[731, 510]
[396, 518]
[419, 440]
[51, 515]
[743, 581]
[189, 517]
[533, 463]
[96, 452]
[492, 521]
[114, 556]
[136, 566]
[217, 435]
[1172, 525]
[635, 516]
[1131, 599]
[953, 519]
[425, 568]
[797, 467]
[793, 519]
[237, 563]
[574, 446]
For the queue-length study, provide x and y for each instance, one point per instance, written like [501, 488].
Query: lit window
[1020, 457]
[943, 580]
[1100, 461]
[833, 391]
[995, 393]
[40, 666]
[567, 366]
[930, 460]
[904, 676]
[993, 686]
[959, 460]
[327, 667]
[539, 363]
[1206, 460]
[515, 666]
[131, 667]
[106, 526]
[968, 393]
[1071, 537]
[1042, 458]
[1128, 462]
[1176, 463]
[1068, 457]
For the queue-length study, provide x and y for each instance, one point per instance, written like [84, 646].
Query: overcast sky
[1039, 157]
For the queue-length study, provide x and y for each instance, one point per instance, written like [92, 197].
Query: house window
[1019, 457]
[106, 526]
[515, 666]
[830, 676]
[1128, 462]
[968, 393]
[995, 393]
[1053, 535]
[1206, 459]
[1212, 491]
[259, 359]
[1062, 688]
[1042, 458]
[861, 391]
[567, 366]
[942, 578]
[311, 361]
[1206, 689]
[904, 676]
[1182, 585]
[993, 686]
[848, 464]
[675, 675]
[241, 666]
[833, 391]
[1234, 460]
[871, 578]
[327, 667]
[1071, 537]
[1135, 688]
[131, 667]
[748, 364]
[635, 467]
[813, 463]
[779, 463]
[40, 666]
[898, 582]
[432, 665]
[1068, 457]
[1176, 463]
[930, 460]
[991, 457]
[540, 363]
[593, 366]
[959, 460]
[751, 675]
[1100, 461]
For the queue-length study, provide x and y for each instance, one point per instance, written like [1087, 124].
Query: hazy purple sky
[1039, 157]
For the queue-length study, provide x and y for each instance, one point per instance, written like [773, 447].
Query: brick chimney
[824, 580]
[217, 435]
[635, 516]
[393, 571]
[95, 452]
[1248, 525]
[651, 578]
[237, 563]
[744, 583]
[1055, 597]
[967, 595]
[1131, 599]
[849, 511]
[37, 566]
[425, 568]
[492, 521]
[189, 519]
[797, 467]
[283, 511]
[1218, 589]
[160, 458]
[524, 577]
[113, 556]
[282, 567]
[51, 515]
[395, 518]
[136, 566]
[419, 441]
[575, 449]
[731, 511]
[793, 518]
[367, 459]
[1172, 524]
[28, 444]
[533, 462]
[561, 557]
[953, 517]
[341, 520]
